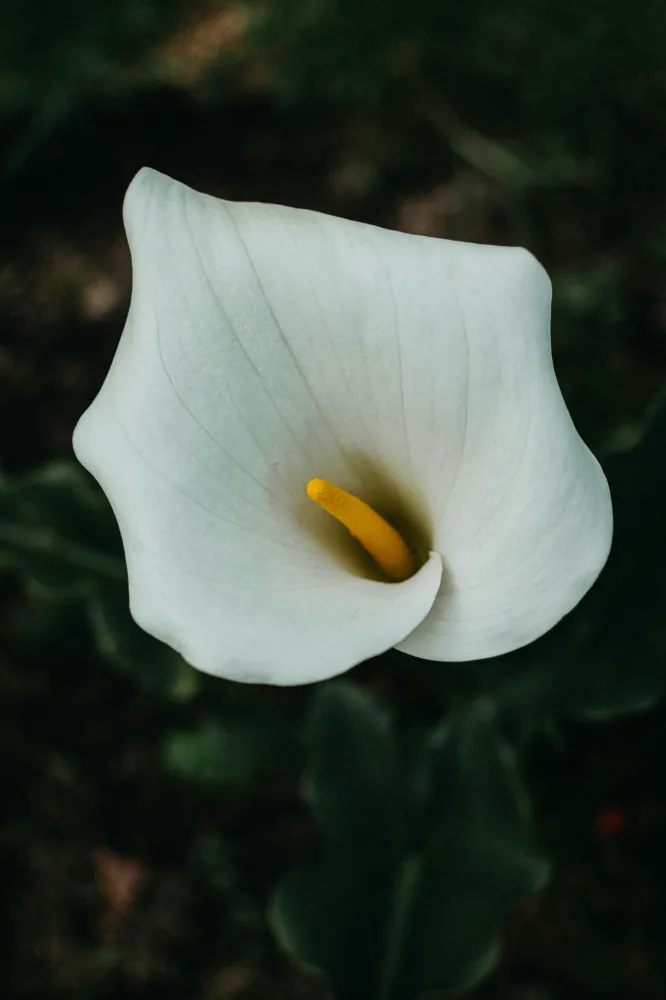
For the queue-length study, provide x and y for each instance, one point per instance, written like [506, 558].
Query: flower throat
[386, 546]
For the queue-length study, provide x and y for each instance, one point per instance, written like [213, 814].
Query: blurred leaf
[623, 663]
[333, 916]
[59, 52]
[223, 752]
[57, 531]
[489, 157]
[590, 291]
[155, 665]
[406, 901]
[478, 860]
[608, 656]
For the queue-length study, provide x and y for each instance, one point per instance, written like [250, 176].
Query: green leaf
[608, 656]
[476, 861]
[623, 657]
[226, 752]
[155, 665]
[332, 916]
[58, 531]
[407, 897]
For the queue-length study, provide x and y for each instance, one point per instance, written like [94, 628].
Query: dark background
[131, 865]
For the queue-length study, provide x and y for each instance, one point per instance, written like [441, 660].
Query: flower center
[376, 535]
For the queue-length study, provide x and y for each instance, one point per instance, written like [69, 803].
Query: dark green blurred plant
[54, 54]
[420, 866]
[230, 749]
[552, 63]
[58, 530]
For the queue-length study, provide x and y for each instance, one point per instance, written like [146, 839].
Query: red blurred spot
[610, 821]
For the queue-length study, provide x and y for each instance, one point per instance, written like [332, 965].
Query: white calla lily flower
[271, 352]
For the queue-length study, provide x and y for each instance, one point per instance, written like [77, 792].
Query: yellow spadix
[377, 536]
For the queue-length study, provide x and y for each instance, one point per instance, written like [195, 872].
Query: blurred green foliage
[230, 750]
[53, 55]
[57, 528]
[419, 869]
[550, 59]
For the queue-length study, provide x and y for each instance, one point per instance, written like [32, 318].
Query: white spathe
[267, 346]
